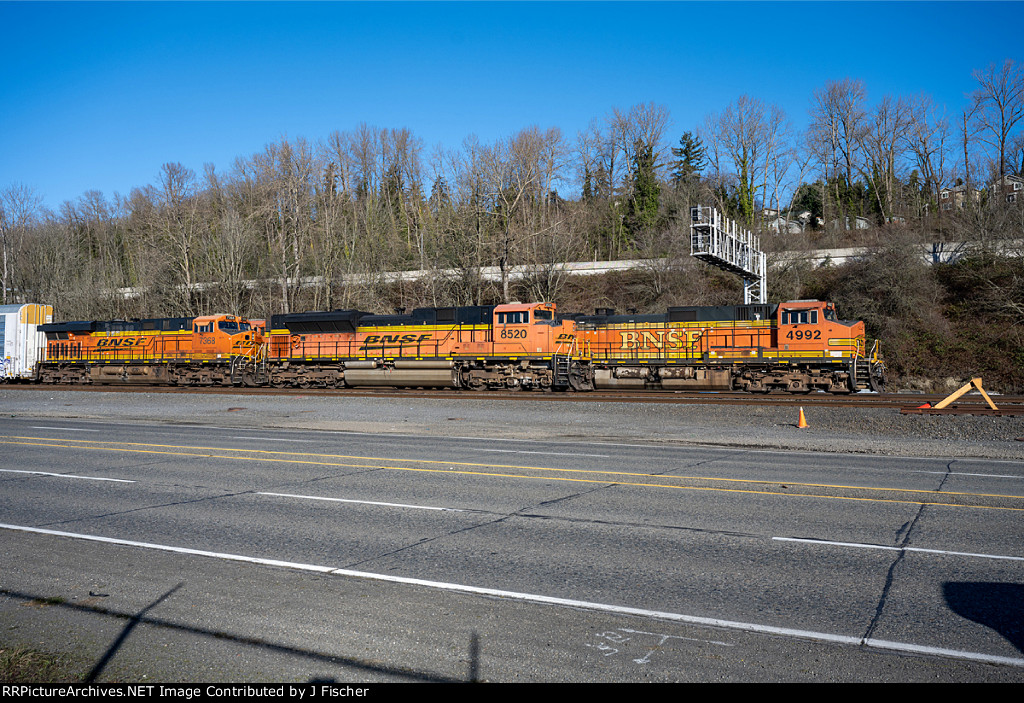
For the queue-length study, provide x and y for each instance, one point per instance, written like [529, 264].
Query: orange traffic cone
[802, 422]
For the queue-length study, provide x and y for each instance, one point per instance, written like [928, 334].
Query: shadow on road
[132, 623]
[999, 606]
[141, 617]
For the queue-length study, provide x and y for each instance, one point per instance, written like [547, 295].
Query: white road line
[523, 451]
[64, 429]
[549, 600]
[272, 439]
[364, 502]
[385, 436]
[859, 545]
[46, 473]
[964, 473]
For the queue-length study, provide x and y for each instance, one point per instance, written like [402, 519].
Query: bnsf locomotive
[502, 346]
[796, 346]
[209, 350]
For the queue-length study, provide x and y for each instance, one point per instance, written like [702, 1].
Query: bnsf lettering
[658, 339]
[376, 339]
[120, 342]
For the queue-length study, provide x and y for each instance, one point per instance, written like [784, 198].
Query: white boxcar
[22, 345]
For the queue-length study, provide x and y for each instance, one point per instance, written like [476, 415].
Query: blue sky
[99, 95]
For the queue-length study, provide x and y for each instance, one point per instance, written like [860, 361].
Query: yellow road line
[603, 472]
[205, 452]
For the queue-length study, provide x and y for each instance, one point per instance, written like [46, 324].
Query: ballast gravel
[881, 431]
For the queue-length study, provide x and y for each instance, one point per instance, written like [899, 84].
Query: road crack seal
[906, 529]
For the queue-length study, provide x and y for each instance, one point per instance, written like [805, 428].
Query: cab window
[514, 318]
[799, 317]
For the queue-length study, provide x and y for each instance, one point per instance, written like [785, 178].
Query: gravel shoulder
[858, 430]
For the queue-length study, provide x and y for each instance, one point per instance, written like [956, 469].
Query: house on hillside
[780, 224]
[1008, 188]
[858, 222]
[955, 197]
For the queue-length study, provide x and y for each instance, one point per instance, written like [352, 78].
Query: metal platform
[721, 242]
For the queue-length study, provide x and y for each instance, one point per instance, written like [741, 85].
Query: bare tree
[548, 250]
[779, 156]
[928, 139]
[19, 206]
[1015, 160]
[402, 187]
[642, 127]
[587, 160]
[999, 106]
[179, 227]
[747, 143]
[838, 125]
[885, 138]
[275, 192]
[512, 170]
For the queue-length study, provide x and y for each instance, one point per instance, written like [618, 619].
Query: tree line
[315, 224]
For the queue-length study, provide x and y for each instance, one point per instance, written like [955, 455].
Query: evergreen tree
[643, 207]
[690, 160]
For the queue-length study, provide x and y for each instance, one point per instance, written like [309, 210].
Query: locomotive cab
[222, 336]
[531, 329]
[813, 326]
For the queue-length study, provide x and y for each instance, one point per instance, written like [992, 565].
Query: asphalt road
[205, 552]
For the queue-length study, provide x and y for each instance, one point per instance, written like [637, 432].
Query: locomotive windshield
[233, 327]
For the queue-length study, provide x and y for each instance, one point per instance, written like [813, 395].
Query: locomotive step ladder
[562, 368]
[866, 375]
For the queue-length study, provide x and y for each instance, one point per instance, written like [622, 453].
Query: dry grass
[23, 665]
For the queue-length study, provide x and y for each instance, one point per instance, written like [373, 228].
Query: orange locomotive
[208, 350]
[504, 346]
[797, 346]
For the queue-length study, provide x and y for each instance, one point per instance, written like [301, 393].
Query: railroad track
[970, 404]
